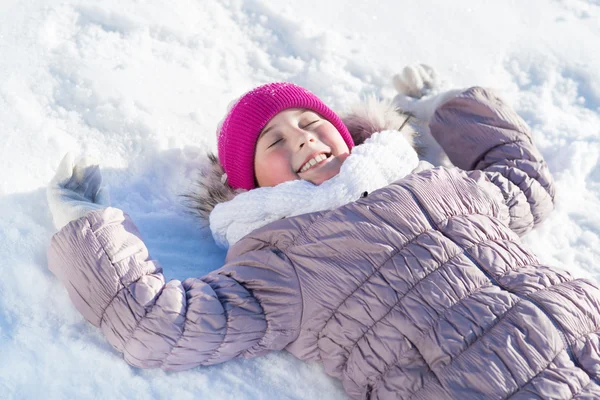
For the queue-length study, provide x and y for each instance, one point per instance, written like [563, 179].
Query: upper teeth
[312, 162]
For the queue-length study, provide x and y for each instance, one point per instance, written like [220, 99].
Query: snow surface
[141, 85]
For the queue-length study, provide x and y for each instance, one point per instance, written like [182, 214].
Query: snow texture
[141, 85]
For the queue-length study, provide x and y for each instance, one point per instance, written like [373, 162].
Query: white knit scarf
[382, 159]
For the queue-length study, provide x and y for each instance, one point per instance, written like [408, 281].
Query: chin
[321, 179]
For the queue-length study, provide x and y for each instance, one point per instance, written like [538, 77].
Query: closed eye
[274, 143]
[310, 123]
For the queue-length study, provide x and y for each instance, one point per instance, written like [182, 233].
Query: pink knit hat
[241, 128]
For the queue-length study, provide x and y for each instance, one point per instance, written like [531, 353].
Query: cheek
[334, 139]
[272, 170]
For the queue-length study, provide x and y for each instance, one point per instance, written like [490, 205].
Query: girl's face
[298, 144]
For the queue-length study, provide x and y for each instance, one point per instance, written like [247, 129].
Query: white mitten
[75, 190]
[421, 91]
[417, 80]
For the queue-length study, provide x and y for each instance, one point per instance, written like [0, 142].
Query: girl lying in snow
[406, 282]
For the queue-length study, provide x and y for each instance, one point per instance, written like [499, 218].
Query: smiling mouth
[314, 161]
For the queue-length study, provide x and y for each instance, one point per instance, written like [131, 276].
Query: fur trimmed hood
[363, 120]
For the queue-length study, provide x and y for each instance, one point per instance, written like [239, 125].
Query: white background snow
[141, 86]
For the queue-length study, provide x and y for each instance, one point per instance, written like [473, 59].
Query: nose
[306, 137]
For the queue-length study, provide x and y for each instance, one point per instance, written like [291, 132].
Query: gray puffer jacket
[420, 290]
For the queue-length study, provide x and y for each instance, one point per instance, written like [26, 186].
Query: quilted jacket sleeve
[246, 308]
[479, 131]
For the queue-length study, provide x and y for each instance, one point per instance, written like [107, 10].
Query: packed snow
[141, 86]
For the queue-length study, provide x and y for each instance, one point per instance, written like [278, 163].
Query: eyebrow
[265, 131]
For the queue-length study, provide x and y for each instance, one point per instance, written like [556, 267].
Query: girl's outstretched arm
[246, 308]
[480, 132]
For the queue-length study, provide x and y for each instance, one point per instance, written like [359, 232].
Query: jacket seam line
[582, 388]
[480, 158]
[399, 250]
[440, 265]
[393, 254]
[455, 357]
[396, 251]
[376, 270]
[500, 319]
[567, 345]
[410, 290]
[396, 361]
[543, 370]
[560, 331]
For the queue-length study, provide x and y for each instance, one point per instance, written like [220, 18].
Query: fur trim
[372, 116]
[382, 159]
[362, 121]
[210, 189]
